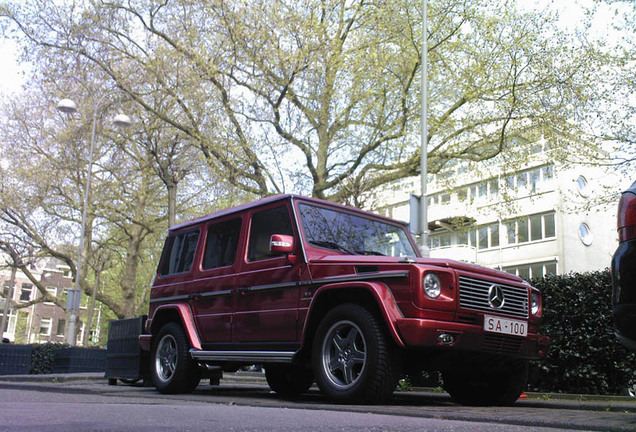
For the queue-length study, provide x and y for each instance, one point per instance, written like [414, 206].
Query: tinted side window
[221, 244]
[264, 224]
[179, 253]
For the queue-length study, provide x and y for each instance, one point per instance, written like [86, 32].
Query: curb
[46, 382]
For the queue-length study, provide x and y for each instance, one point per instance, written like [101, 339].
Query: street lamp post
[423, 210]
[121, 120]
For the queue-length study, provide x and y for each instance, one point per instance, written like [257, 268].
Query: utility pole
[8, 300]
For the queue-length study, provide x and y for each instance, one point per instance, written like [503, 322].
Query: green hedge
[43, 357]
[585, 356]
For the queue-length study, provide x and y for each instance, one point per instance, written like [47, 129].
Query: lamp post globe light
[68, 106]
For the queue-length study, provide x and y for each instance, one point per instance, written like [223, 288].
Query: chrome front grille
[473, 295]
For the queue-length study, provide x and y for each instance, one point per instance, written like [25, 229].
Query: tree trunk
[129, 280]
[91, 310]
[172, 203]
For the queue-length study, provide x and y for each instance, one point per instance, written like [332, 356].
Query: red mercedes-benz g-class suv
[316, 291]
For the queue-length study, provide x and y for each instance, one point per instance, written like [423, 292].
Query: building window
[52, 291]
[439, 240]
[529, 180]
[511, 229]
[522, 180]
[61, 326]
[534, 177]
[468, 237]
[548, 225]
[26, 291]
[494, 235]
[536, 233]
[530, 228]
[7, 290]
[585, 234]
[549, 268]
[534, 270]
[582, 186]
[482, 233]
[488, 236]
[494, 187]
[9, 326]
[462, 237]
[45, 326]
[547, 172]
[483, 190]
[510, 182]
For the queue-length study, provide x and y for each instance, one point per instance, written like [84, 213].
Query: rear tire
[173, 370]
[353, 357]
[476, 388]
[287, 380]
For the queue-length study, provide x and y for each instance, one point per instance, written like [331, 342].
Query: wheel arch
[180, 313]
[375, 296]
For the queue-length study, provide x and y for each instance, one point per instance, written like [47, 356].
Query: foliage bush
[43, 357]
[585, 356]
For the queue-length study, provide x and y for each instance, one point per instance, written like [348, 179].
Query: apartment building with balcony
[530, 217]
[30, 319]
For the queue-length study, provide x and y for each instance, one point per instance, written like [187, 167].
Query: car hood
[429, 262]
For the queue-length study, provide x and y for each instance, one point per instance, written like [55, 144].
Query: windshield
[353, 234]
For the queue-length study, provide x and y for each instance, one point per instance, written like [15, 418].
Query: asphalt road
[247, 405]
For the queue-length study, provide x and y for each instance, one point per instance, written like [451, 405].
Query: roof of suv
[268, 200]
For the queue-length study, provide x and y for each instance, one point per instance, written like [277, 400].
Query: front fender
[381, 294]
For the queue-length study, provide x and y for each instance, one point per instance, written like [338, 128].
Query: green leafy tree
[322, 97]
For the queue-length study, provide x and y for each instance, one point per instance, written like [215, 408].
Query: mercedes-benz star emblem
[496, 297]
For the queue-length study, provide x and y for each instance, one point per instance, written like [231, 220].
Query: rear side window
[221, 244]
[179, 253]
[264, 224]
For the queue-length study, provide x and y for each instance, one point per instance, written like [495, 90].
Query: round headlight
[534, 302]
[432, 285]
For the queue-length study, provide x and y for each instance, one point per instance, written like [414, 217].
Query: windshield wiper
[330, 245]
[369, 252]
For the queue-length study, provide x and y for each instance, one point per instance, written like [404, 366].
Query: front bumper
[423, 333]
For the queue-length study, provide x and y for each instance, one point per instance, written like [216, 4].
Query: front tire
[479, 388]
[354, 359]
[173, 370]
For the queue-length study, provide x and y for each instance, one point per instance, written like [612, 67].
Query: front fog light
[445, 339]
[534, 304]
[432, 285]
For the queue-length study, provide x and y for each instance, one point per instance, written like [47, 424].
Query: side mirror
[281, 244]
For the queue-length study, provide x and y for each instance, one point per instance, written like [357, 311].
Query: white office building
[530, 217]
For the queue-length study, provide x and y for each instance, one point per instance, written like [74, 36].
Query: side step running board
[255, 357]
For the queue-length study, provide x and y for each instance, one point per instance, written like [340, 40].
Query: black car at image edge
[624, 271]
